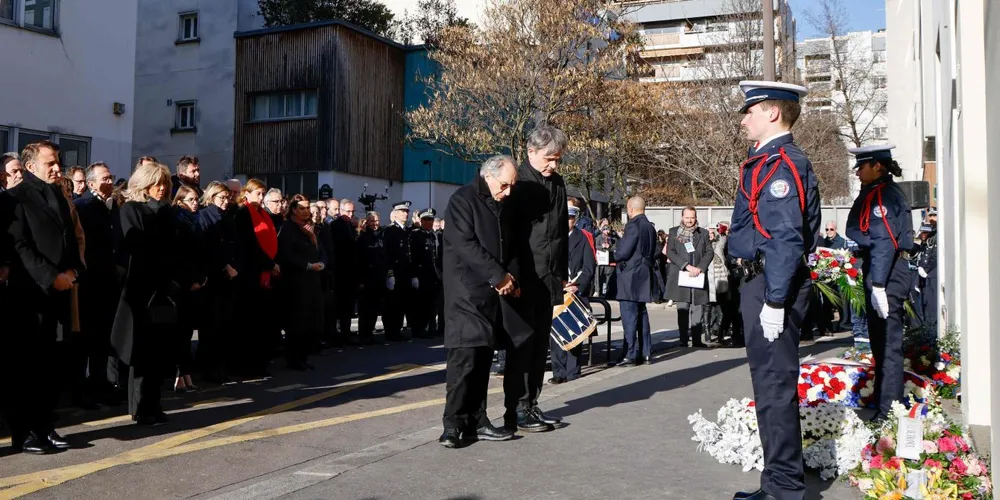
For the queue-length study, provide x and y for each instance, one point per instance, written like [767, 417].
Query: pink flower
[931, 463]
[975, 467]
[962, 445]
[967, 496]
[866, 466]
[947, 445]
[885, 445]
[893, 463]
[959, 467]
[876, 462]
[930, 447]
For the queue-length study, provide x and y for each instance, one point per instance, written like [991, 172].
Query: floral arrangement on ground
[837, 443]
[947, 467]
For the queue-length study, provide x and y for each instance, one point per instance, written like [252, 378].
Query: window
[306, 183]
[880, 132]
[185, 119]
[39, 13]
[25, 137]
[188, 27]
[283, 105]
[4, 139]
[74, 151]
[7, 10]
[878, 56]
[879, 82]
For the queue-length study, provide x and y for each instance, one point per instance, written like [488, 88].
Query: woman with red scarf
[257, 241]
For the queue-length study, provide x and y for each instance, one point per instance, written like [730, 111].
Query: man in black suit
[345, 279]
[480, 278]
[637, 284]
[582, 266]
[43, 270]
[100, 285]
[540, 237]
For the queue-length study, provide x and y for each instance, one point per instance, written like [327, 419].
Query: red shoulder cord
[866, 214]
[756, 188]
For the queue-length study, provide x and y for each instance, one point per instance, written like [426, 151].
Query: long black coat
[541, 224]
[43, 236]
[100, 285]
[635, 257]
[344, 235]
[680, 259]
[150, 235]
[301, 288]
[477, 255]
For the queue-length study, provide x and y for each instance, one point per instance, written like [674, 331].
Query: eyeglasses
[190, 200]
[272, 201]
[223, 196]
[830, 229]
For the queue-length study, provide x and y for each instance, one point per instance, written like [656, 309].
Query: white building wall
[68, 84]
[167, 72]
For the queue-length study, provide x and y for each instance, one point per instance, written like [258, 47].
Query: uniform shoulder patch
[878, 211]
[780, 188]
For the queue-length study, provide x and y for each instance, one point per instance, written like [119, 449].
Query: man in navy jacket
[635, 256]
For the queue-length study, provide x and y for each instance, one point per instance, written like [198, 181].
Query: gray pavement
[365, 425]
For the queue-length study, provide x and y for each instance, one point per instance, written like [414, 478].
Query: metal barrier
[606, 318]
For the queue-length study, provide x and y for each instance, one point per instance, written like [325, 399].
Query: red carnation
[893, 463]
[751, 404]
[824, 254]
[814, 275]
[945, 356]
[803, 391]
[853, 273]
[838, 385]
[853, 260]
[834, 264]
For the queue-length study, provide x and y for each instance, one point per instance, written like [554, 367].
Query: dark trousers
[421, 306]
[396, 307]
[635, 322]
[437, 318]
[712, 320]
[31, 394]
[330, 333]
[466, 384]
[298, 343]
[346, 297]
[565, 364]
[216, 345]
[368, 308]
[144, 386]
[525, 373]
[886, 335]
[690, 322]
[733, 317]
[774, 372]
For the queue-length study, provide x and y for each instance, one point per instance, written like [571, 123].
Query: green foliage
[368, 14]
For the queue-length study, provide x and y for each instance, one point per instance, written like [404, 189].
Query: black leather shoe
[489, 432]
[755, 495]
[537, 412]
[57, 441]
[450, 438]
[528, 422]
[557, 380]
[33, 445]
[626, 362]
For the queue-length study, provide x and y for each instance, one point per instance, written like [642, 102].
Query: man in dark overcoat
[637, 280]
[480, 284]
[44, 268]
[689, 251]
[541, 240]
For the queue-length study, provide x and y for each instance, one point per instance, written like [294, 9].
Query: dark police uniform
[776, 220]
[423, 254]
[927, 277]
[396, 239]
[372, 269]
[582, 266]
[880, 223]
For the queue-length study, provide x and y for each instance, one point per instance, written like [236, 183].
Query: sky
[864, 15]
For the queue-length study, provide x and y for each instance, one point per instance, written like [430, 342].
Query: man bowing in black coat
[478, 283]
[541, 240]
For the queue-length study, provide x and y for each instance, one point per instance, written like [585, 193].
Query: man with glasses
[345, 278]
[834, 241]
[272, 203]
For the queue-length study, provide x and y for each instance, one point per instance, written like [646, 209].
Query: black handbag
[162, 310]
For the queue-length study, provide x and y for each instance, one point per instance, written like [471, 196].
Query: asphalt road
[364, 425]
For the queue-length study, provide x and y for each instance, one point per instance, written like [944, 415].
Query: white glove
[772, 320]
[390, 283]
[880, 302]
[922, 272]
[415, 283]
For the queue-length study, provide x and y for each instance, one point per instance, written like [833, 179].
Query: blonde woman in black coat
[147, 314]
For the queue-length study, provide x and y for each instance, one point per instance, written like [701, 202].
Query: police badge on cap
[403, 205]
[428, 213]
[758, 91]
[880, 153]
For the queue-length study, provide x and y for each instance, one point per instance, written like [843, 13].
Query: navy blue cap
[757, 91]
[881, 152]
[403, 205]
[428, 213]
[573, 211]
[926, 228]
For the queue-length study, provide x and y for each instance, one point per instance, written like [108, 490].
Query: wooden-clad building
[325, 96]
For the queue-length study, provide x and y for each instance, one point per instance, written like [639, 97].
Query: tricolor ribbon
[918, 409]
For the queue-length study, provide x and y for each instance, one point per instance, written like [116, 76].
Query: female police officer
[880, 224]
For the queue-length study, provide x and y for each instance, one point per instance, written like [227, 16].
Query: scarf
[310, 231]
[686, 234]
[187, 219]
[263, 228]
[209, 216]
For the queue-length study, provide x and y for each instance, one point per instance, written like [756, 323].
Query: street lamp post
[430, 202]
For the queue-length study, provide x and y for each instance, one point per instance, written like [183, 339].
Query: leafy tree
[431, 17]
[368, 14]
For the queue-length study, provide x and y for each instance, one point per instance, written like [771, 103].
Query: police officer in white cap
[776, 220]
